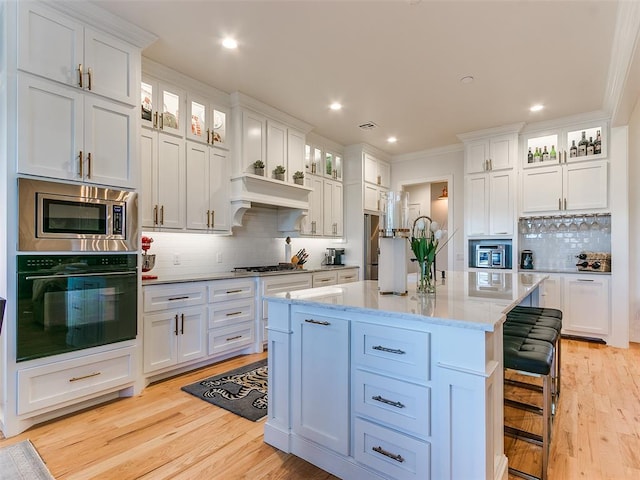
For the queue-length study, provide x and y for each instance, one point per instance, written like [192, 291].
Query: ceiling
[395, 63]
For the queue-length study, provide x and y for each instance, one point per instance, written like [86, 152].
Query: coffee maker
[334, 256]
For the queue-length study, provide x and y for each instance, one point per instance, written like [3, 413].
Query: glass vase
[425, 281]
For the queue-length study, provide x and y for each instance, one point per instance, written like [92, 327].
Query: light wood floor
[166, 433]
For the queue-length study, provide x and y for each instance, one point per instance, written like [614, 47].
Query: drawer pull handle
[234, 291]
[382, 451]
[94, 374]
[585, 279]
[380, 399]
[234, 338]
[231, 314]
[389, 350]
[178, 298]
[317, 322]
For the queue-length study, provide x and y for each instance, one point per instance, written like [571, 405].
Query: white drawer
[322, 279]
[54, 383]
[231, 290]
[405, 353]
[396, 455]
[230, 313]
[175, 295]
[403, 405]
[231, 338]
[348, 276]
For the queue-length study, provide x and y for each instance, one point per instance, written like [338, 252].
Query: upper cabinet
[61, 49]
[376, 171]
[489, 154]
[576, 143]
[162, 106]
[208, 122]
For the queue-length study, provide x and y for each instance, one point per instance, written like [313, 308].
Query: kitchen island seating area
[531, 345]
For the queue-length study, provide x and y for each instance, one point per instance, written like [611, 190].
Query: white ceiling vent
[367, 126]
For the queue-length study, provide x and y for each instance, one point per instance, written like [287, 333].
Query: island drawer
[404, 353]
[230, 313]
[231, 338]
[166, 297]
[399, 456]
[404, 405]
[224, 290]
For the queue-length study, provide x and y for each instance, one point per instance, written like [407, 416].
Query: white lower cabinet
[323, 279]
[584, 300]
[348, 275]
[232, 317]
[320, 387]
[276, 284]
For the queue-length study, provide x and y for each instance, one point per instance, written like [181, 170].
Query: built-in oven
[490, 254]
[70, 302]
[55, 216]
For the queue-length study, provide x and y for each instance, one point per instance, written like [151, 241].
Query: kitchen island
[370, 386]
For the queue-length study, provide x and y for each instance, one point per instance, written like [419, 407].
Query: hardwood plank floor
[166, 433]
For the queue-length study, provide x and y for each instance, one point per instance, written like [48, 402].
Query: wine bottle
[582, 145]
[536, 156]
[545, 155]
[573, 151]
[530, 156]
[552, 155]
[590, 148]
[597, 145]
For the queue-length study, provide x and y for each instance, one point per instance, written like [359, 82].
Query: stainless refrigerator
[371, 246]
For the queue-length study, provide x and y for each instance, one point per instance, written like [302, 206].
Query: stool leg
[546, 426]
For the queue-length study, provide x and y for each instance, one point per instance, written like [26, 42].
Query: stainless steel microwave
[493, 256]
[69, 217]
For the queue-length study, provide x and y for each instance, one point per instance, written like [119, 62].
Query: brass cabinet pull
[231, 314]
[208, 219]
[317, 322]
[382, 451]
[161, 121]
[389, 350]
[213, 218]
[559, 204]
[81, 161]
[565, 203]
[208, 134]
[80, 75]
[381, 399]
[155, 214]
[88, 165]
[155, 120]
[379, 180]
[178, 298]
[90, 73]
[182, 325]
[162, 215]
[234, 338]
[75, 379]
[176, 325]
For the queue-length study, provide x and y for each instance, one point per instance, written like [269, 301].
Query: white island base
[367, 386]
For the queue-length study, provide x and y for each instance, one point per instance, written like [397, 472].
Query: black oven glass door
[71, 302]
[73, 217]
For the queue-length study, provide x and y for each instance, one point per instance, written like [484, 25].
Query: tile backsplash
[555, 241]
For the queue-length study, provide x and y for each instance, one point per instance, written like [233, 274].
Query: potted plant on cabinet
[298, 178]
[258, 167]
[279, 172]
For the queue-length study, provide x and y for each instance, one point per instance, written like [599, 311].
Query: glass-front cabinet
[162, 107]
[333, 166]
[208, 122]
[572, 144]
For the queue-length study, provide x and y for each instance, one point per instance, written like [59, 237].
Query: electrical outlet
[176, 259]
[219, 257]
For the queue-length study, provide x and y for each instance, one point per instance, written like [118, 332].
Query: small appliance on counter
[594, 262]
[526, 260]
[148, 260]
[490, 253]
[334, 256]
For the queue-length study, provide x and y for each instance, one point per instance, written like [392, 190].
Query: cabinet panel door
[370, 169]
[371, 197]
[541, 189]
[160, 347]
[197, 173]
[551, 293]
[586, 303]
[50, 122]
[585, 185]
[336, 208]
[171, 152]
[312, 223]
[219, 190]
[192, 334]
[253, 127]
[295, 153]
[477, 211]
[501, 194]
[50, 44]
[384, 172]
[276, 147]
[108, 137]
[198, 124]
[149, 174]
[475, 156]
[320, 381]
[113, 66]
[502, 152]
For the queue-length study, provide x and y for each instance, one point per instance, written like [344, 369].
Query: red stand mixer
[148, 260]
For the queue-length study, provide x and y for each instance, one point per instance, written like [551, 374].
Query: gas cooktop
[266, 268]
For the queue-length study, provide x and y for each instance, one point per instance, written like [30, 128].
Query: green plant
[258, 164]
[298, 175]
[279, 170]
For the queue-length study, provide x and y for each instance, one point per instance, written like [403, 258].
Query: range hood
[292, 201]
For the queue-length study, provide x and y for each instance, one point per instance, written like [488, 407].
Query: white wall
[634, 224]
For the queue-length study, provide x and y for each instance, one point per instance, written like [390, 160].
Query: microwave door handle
[74, 275]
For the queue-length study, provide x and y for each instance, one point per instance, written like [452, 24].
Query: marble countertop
[476, 300]
[203, 277]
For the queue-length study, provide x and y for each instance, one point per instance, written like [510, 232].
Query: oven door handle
[104, 274]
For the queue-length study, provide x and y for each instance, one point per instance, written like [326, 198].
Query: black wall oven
[69, 302]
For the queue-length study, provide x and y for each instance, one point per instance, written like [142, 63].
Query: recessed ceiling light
[392, 139]
[335, 106]
[536, 108]
[467, 79]
[229, 43]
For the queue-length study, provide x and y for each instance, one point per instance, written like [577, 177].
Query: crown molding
[430, 153]
[490, 132]
[239, 99]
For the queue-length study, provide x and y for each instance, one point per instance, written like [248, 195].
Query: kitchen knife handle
[208, 211]
[80, 75]
[81, 162]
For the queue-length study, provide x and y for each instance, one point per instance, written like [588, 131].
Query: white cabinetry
[324, 279]
[312, 224]
[488, 154]
[332, 208]
[208, 121]
[584, 300]
[270, 285]
[231, 324]
[162, 106]
[162, 193]
[207, 188]
[490, 202]
[348, 275]
[174, 320]
[376, 171]
[320, 385]
[570, 186]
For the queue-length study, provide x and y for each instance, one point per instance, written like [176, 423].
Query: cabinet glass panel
[307, 158]
[337, 167]
[544, 149]
[316, 166]
[146, 101]
[219, 127]
[170, 111]
[198, 119]
[328, 162]
[587, 141]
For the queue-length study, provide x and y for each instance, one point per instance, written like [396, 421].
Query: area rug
[21, 461]
[242, 391]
